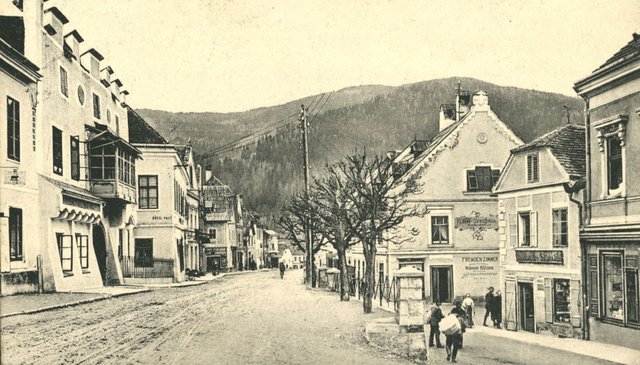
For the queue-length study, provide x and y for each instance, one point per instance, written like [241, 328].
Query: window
[120, 242]
[126, 163]
[483, 178]
[532, 168]
[117, 125]
[440, 230]
[614, 163]
[560, 234]
[83, 248]
[212, 233]
[102, 164]
[80, 95]
[15, 234]
[143, 256]
[65, 250]
[108, 115]
[13, 129]
[527, 229]
[75, 158]
[57, 150]
[96, 106]
[612, 282]
[148, 191]
[64, 82]
[561, 298]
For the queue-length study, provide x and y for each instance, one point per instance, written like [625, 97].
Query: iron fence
[147, 267]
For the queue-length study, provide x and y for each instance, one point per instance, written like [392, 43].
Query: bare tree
[378, 207]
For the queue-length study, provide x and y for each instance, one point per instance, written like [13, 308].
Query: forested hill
[380, 118]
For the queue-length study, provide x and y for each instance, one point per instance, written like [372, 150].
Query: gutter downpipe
[585, 220]
[583, 262]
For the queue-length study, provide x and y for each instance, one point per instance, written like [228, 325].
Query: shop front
[215, 259]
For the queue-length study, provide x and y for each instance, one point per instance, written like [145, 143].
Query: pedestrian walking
[282, 268]
[434, 322]
[497, 309]
[488, 304]
[454, 340]
[468, 305]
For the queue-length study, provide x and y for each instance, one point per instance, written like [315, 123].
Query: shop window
[482, 179]
[57, 150]
[64, 82]
[527, 229]
[143, 256]
[82, 242]
[440, 230]
[614, 163]
[560, 228]
[13, 129]
[102, 163]
[15, 234]
[148, 191]
[561, 298]
[75, 158]
[96, 106]
[533, 174]
[631, 292]
[613, 300]
[65, 250]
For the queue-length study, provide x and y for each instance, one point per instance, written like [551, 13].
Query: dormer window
[533, 172]
[482, 178]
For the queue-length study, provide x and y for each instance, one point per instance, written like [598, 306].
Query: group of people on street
[493, 307]
[463, 310]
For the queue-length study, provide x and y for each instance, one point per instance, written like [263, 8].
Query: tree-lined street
[252, 318]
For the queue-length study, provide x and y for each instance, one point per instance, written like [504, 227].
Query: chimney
[115, 87]
[207, 173]
[123, 97]
[72, 40]
[54, 21]
[481, 101]
[90, 61]
[447, 115]
[105, 76]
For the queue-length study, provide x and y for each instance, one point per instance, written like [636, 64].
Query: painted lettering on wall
[479, 265]
[540, 256]
[477, 223]
[160, 218]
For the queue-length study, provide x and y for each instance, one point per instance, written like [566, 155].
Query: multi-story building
[19, 237]
[223, 225]
[165, 245]
[270, 248]
[611, 232]
[539, 202]
[456, 243]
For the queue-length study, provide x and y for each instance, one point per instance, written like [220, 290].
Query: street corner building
[611, 232]
[539, 200]
[456, 243]
[168, 181]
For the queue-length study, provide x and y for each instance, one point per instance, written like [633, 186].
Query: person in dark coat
[488, 305]
[497, 309]
[454, 341]
[434, 323]
[282, 268]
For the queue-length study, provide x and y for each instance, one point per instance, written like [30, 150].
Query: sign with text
[477, 223]
[540, 256]
[475, 265]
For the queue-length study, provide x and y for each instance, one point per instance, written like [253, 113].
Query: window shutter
[513, 229]
[529, 168]
[594, 305]
[548, 300]
[533, 216]
[575, 303]
[509, 308]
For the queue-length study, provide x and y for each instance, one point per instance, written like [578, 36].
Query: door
[441, 284]
[100, 249]
[526, 306]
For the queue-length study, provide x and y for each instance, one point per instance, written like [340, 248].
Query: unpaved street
[248, 318]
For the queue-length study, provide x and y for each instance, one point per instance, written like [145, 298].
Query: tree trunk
[344, 283]
[314, 275]
[369, 250]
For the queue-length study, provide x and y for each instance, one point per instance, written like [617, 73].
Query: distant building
[271, 248]
[456, 243]
[223, 225]
[611, 234]
[539, 200]
[168, 202]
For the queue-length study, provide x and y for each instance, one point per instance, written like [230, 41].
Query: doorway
[526, 306]
[441, 283]
[100, 249]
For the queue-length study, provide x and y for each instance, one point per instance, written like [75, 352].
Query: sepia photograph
[319, 182]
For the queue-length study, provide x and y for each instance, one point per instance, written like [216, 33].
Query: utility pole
[307, 230]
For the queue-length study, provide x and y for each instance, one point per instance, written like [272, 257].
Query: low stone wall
[389, 336]
[18, 283]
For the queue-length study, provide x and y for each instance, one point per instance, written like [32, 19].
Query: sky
[224, 56]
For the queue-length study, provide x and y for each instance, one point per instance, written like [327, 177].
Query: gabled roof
[631, 49]
[566, 144]
[141, 132]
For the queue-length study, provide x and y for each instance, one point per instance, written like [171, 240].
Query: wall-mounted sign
[479, 265]
[14, 176]
[540, 256]
[477, 223]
